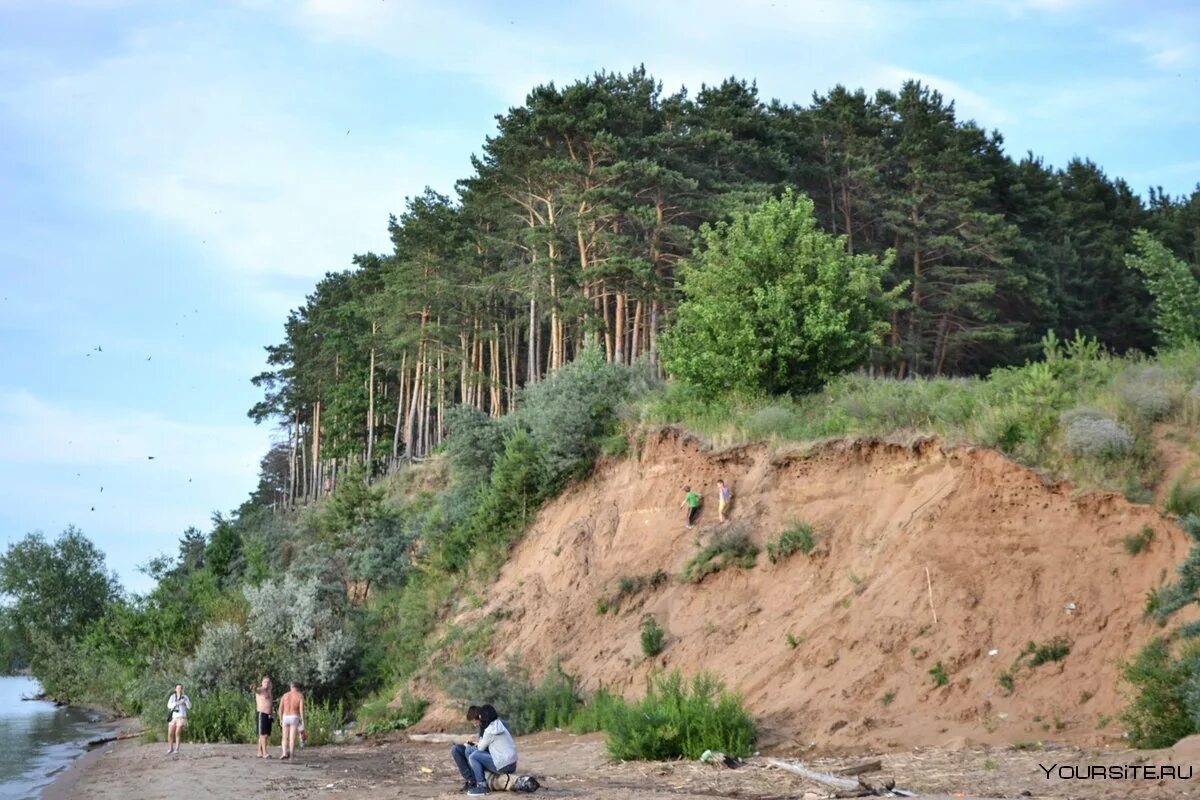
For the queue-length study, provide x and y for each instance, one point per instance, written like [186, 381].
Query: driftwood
[863, 768]
[438, 738]
[116, 737]
[833, 781]
[845, 786]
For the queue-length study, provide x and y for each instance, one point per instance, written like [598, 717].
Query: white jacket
[180, 706]
[498, 742]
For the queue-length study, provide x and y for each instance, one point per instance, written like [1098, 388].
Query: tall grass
[1016, 409]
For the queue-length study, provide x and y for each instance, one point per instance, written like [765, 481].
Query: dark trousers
[460, 753]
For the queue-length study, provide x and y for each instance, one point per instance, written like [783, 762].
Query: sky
[175, 176]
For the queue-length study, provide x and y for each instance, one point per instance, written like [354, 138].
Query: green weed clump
[728, 549]
[679, 719]
[1137, 542]
[938, 673]
[797, 537]
[652, 637]
[1054, 650]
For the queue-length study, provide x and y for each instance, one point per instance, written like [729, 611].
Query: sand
[576, 767]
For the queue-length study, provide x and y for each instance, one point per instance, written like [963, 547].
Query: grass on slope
[1078, 411]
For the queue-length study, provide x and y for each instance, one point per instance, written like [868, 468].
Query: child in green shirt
[691, 504]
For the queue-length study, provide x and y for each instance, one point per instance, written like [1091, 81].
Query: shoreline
[64, 781]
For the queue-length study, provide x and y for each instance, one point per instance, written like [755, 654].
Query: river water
[37, 740]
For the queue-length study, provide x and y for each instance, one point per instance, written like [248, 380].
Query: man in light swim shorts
[291, 718]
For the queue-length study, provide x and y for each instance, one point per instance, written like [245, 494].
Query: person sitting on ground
[177, 707]
[724, 498]
[291, 719]
[496, 751]
[462, 751]
[263, 703]
[691, 506]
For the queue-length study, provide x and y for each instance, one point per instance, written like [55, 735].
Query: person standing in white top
[496, 751]
[177, 706]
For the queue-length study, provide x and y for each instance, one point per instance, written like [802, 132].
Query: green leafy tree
[1174, 287]
[773, 304]
[57, 591]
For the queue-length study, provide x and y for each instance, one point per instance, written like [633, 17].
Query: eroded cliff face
[925, 554]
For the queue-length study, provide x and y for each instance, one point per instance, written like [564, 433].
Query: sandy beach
[576, 767]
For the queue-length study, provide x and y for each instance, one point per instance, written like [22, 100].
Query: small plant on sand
[1022, 745]
[652, 637]
[797, 537]
[728, 549]
[1084, 696]
[629, 586]
[1007, 681]
[887, 698]
[793, 641]
[938, 673]
[1054, 650]
[1137, 542]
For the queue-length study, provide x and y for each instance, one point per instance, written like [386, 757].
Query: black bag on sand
[502, 782]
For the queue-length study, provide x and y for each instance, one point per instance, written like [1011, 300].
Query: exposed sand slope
[1007, 556]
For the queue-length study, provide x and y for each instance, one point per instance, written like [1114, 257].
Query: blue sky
[174, 176]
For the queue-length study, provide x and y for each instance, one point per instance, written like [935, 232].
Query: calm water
[37, 740]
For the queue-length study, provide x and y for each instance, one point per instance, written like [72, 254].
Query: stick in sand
[929, 585]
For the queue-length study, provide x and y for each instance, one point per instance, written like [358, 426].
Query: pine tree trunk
[371, 404]
[654, 334]
[316, 448]
[619, 330]
[399, 411]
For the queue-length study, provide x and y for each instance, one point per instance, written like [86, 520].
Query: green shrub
[1147, 399]
[524, 707]
[220, 716]
[1137, 542]
[554, 701]
[1007, 681]
[730, 548]
[652, 637]
[378, 716]
[1184, 497]
[1054, 650]
[797, 537]
[598, 713]
[680, 719]
[1158, 716]
[770, 421]
[1098, 438]
[321, 719]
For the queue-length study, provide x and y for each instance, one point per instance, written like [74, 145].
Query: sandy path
[575, 767]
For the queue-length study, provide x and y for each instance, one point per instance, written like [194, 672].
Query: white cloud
[1170, 49]
[173, 130]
